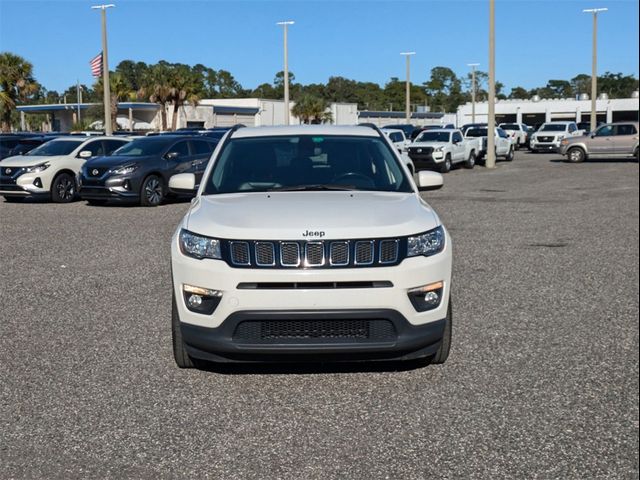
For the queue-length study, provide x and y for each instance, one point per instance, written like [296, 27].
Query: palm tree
[120, 91]
[17, 84]
[157, 88]
[184, 89]
[310, 109]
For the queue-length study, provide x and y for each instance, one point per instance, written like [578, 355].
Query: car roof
[346, 130]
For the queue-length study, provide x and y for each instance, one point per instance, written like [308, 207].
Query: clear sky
[536, 40]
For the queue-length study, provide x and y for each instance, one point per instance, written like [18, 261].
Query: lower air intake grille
[314, 331]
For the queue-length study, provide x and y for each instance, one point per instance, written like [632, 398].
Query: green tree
[444, 89]
[519, 93]
[185, 86]
[133, 73]
[17, 85]
[311, 109]
[157, 88]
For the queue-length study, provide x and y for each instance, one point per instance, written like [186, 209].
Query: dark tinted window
[96, 148]
[144, 146]
[476, 132]
[553, 127]
[433, 136]
[111, 145]
[8, 143]
[510, 126]
[55, 147]
[572, 128]
[305, 162]
[181, 148]
[457, 137]
[605, 131]
[201, 148]
[625, 130]
[502, 133]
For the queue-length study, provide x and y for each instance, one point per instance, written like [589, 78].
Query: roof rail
[373, 126]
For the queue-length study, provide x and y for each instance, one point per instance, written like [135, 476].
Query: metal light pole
[473, 90]
[407, 108]
[594, 64]
[491, 121]
[286, 71]
[108, 130]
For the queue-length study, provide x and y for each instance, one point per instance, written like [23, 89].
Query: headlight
[565, 142]
[37, 168]
[560, 137]
[126, 169]
[196, 246]
[426, 244]
[439, 149]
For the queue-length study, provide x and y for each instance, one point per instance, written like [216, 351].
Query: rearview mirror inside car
[85, 154]
[183, 182]
[429, 180]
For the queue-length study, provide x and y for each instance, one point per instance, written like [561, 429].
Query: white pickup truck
[441, 149]
[504, 144]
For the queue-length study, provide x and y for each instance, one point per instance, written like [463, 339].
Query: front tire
[180, 355]
[446, 165]
[575, 155]
[471, 161]
[152, 191]
[445, 347]
[63, 188]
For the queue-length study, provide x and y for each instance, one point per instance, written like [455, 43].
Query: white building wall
[552, 109]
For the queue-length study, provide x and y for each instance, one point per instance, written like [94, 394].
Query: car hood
[115, 161]
[289, 215]
[28, 160]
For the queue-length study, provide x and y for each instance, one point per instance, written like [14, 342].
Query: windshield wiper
[316, 187]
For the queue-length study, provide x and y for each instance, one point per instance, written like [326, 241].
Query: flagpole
[78, 99]
[108, 128]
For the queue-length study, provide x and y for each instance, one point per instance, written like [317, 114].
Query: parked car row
[98, 169]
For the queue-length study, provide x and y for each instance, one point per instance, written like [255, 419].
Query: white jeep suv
[309, 243]
[49, 171]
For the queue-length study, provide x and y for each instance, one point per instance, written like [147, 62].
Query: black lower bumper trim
[219, 345]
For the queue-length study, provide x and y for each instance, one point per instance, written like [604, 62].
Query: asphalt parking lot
[542, 381]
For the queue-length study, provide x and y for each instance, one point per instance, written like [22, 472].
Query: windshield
[143, 147]
[510, 126]
[553, 127]
[476, 132]
[433, 136]
[306, 162]
[55, 147]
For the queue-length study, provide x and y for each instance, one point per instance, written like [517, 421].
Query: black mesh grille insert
[240, 253]
[339, 253]
[315, 253]
[290, 254]
[364, 253]
[314, 331]
[388, 251]
[265, 254]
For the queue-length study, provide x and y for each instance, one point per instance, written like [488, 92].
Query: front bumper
[211, 336]
[118, 188]
[544, 146]
[23, 185]
[222, 344]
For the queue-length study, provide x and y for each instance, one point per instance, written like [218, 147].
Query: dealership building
[535, 111]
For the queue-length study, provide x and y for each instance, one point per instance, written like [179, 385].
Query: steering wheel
[353, 178]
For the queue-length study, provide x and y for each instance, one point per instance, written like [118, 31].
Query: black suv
[140, 170]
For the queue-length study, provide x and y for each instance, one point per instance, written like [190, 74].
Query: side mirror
[429, 180]
[85, 154]
[183, 183]
[172, 155]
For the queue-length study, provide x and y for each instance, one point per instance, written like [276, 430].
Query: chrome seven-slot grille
[314, 254]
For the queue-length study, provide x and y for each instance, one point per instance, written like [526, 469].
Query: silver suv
[609, 140]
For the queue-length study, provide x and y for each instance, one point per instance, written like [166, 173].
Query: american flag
[96, 65]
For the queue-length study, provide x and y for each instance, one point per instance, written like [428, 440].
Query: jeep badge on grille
[310, 233]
